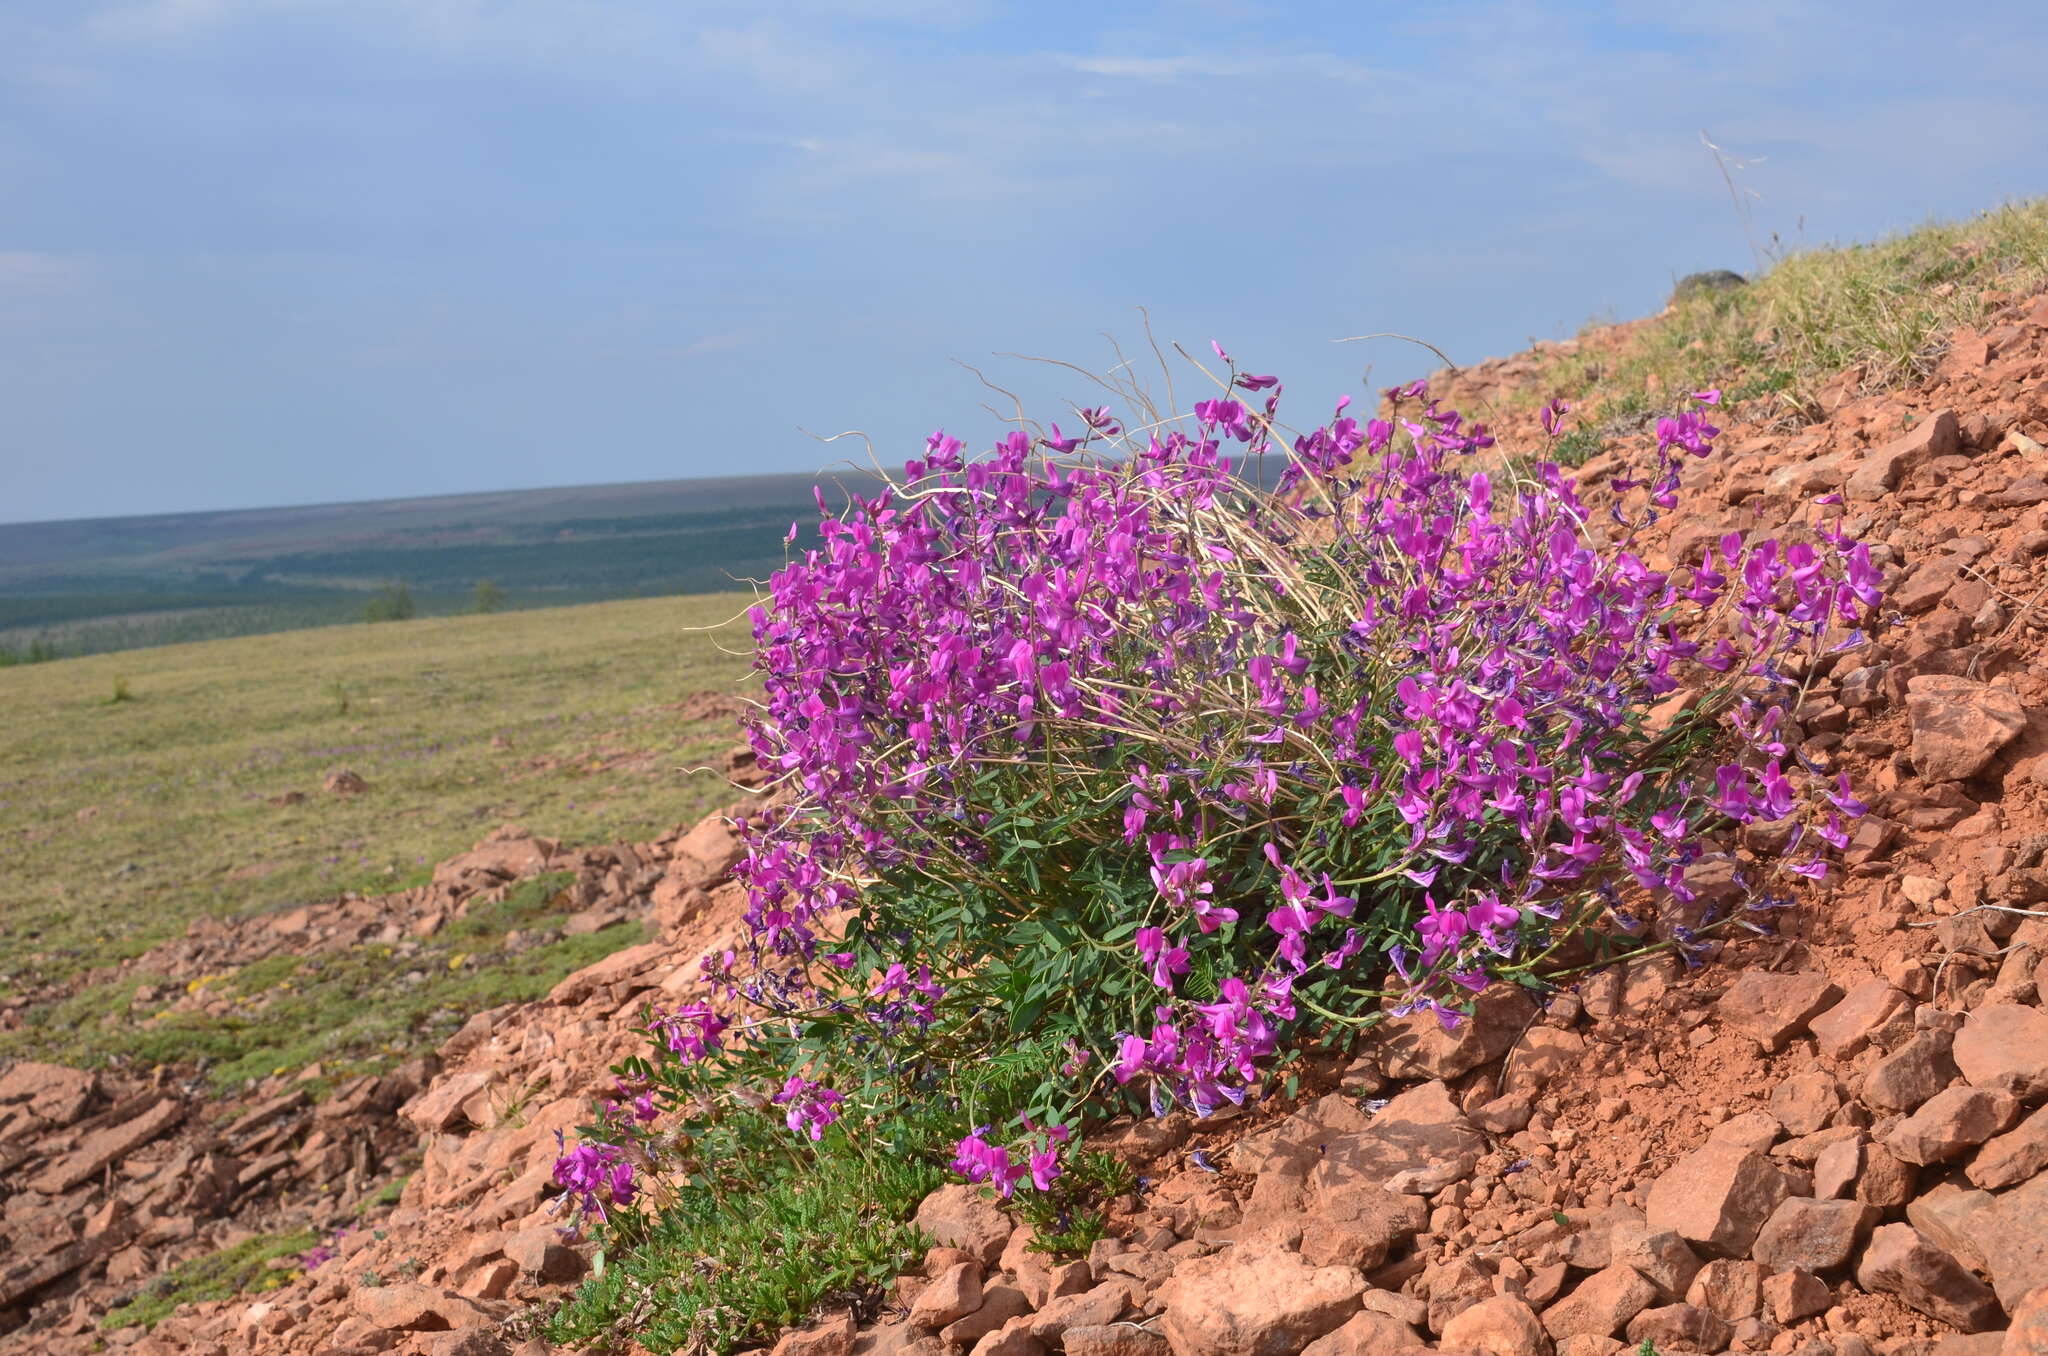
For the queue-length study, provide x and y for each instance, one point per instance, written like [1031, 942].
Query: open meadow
[140, 791]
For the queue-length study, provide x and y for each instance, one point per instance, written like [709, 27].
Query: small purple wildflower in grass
[812, 1106]
[593, 1177]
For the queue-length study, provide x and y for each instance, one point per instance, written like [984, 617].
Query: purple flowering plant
[1107, 776]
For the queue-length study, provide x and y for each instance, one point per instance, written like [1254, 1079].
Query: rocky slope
[1830, 1139]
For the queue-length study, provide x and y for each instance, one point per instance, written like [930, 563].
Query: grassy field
[1881, 309]
[126, 818]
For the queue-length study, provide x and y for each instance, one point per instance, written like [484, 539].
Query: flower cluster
[812, 1106]
[1034, 1158]
[1090, 742]
[593, 1177]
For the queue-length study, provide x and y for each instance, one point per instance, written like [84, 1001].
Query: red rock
[1731, 1288]
[1794, 1295]
[1878, 473]
[1359, 1226]
[107, 1145]
[439, 1108]
[2004, 1046]
[416, 1308]
[1367, 1333]
[1421, 1131]
[1012, 1339]
[1952, 1218]
[958, 1216]
[1885, 1182]
[1543, 1055]
[1912, 1073]
[1679, 1327]
[705, 854]
[829, 1336]
[1812, 1235]
[542, 1255]
[2011, 1158]
[1836, 1168]
[1417, 1046]
[1901, 1261]
[2028, 1335]
[1501, 1326]
[1804, 1102]
[630, 969]
[1774, 1008]
[999, 1304]
[1104, 1303]
[1659, 1254]
[1950, 1122]
[2015, 1241]
[1717, 1198]
[1602, 1304]
[953, 1294]
[1113, 1339]
[1959, 725]
[50, 1092]
[1255, 1301]
[476, 1340]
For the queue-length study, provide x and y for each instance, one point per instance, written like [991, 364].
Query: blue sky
[284, 251]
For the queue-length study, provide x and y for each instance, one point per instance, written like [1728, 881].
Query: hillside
[1808, 1119]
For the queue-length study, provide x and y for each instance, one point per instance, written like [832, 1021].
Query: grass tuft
[243, 1269]
[1882, 307]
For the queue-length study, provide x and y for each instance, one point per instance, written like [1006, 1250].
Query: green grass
[354, 1011]
[124, 822]
[772, 1233]
[1883, 306]
[243, 1269]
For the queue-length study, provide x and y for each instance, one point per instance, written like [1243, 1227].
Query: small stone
[1418, 1046]
[1836, 1167]
[958, 1217]
[953, 1294]
[1717, 1198]
[1255, 1301]
[1602, 1304]
[1901, 1261]
[416, 1308]
[1959, 725]
[1659, 1254]
[2015, 1241]
[999, 1304]
[1505, 1115]
[1952, 1218]
[1804, 1102]
[1731, 1288]
[2004, 1046]
[1813, 1235]
[1885, 1182]
[1113, 1339]
[2011, 1158]
[1912, 1073]
[542, 1256]
[1679, 1327]
[1501, 1326]
[2028, 1335]
[1367, 1333]
[1795, 1295]
[1773, 1008]
[1950, 1122]
[1104, 1303]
